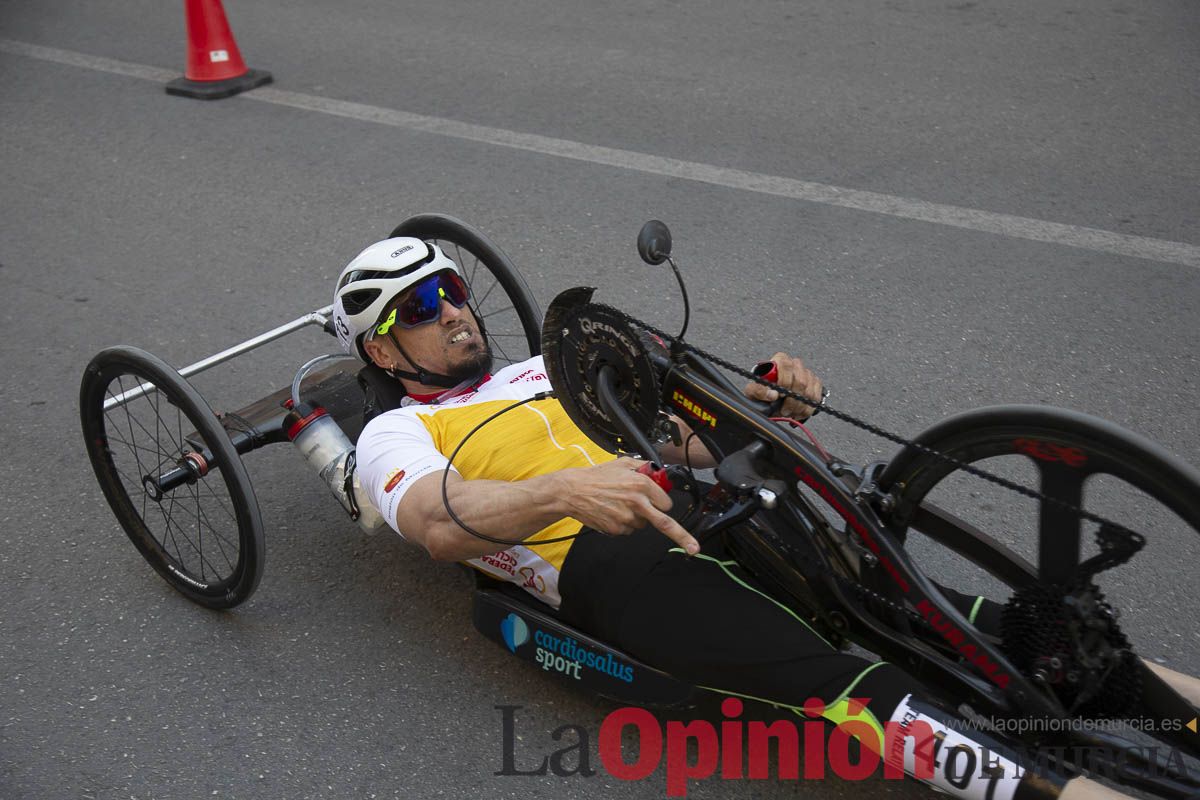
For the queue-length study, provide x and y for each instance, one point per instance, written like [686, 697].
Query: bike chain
[1135, 541]
[870, 594]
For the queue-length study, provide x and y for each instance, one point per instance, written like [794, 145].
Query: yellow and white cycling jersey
[398, 447]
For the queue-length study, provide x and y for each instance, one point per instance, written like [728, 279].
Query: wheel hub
[150, 484]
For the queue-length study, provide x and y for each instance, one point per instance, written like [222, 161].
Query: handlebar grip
[767, 370]
[659, 476]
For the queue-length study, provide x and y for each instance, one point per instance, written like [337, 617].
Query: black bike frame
[722, 418]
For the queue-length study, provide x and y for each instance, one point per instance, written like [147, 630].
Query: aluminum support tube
[319, 317]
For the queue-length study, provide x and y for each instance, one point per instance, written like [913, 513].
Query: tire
[204, 536]
[1067, 448]
[1089, 464]
[513, 323]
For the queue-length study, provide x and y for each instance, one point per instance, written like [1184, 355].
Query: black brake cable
[821, 405]
[523, 542]
[446, 475]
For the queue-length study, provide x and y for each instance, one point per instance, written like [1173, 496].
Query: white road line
[87, 62]
[1036, 230]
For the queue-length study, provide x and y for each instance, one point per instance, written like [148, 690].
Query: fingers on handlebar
[657, 501]
[790, 373]
[796, 410]
[756, 391]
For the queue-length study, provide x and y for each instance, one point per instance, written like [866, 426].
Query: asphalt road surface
[938, 205]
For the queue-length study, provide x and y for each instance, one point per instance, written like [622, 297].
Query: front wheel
[172, 477]
[1110, 510]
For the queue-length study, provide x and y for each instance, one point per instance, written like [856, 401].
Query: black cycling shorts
[705, 620]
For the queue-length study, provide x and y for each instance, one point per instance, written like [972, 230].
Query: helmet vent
[357, 302]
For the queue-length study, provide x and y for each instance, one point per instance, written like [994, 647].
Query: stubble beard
[475, 364]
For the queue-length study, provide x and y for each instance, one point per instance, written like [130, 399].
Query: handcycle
[171, 470]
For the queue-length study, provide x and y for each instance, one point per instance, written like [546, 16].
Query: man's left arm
[792, 375]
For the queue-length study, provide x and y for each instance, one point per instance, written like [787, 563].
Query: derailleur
[1117, 545]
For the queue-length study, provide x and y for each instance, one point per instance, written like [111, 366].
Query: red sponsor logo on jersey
[529, 375]
[1049, 451]
[504, 560]
[532, 580]
[393, 480]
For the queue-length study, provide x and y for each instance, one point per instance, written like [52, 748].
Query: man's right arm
[611, 497]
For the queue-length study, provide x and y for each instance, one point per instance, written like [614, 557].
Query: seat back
[381, 392]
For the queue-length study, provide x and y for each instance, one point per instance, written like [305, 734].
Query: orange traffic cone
[214, 64]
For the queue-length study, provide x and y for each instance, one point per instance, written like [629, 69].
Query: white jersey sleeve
[394, 451]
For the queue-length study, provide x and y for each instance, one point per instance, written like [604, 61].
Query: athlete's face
[451, 345]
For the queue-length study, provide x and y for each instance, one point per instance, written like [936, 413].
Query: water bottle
[331, 455]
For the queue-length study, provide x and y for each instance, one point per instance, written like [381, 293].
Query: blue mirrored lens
[424, 303]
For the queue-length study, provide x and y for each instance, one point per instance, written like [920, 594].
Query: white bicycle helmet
[373, 279]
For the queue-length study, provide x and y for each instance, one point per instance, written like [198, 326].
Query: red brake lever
[659, 476]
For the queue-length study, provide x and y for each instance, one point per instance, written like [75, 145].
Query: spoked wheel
[1049, 564]
[500, 298]
[172, 477]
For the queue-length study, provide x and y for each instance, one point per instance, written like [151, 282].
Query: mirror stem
[687, 309]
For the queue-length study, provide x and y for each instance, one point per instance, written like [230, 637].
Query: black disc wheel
[1072, 460]
[500, 298]
[1087, 579]
[172, 477]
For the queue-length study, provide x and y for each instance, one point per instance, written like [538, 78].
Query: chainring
[578, 340]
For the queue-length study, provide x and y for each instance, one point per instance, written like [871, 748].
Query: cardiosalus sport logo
[515, 632]
[563, 654]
